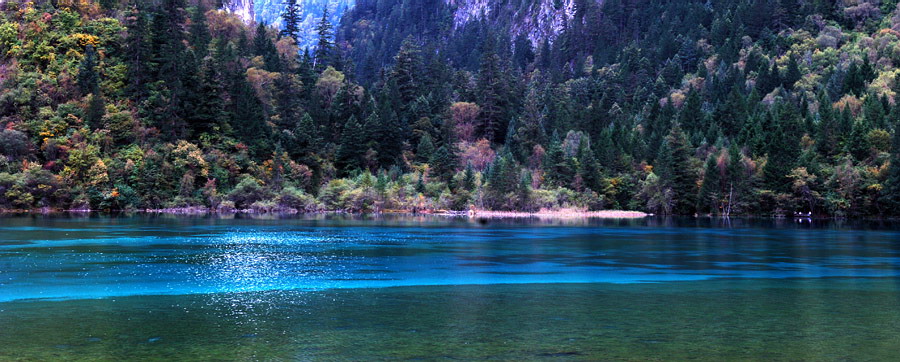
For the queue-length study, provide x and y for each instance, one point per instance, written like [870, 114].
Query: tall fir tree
[325, 45]
[291, 20]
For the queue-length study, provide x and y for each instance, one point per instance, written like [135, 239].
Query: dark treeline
[676, 107]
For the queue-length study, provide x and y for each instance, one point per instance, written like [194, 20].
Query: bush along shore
[412, 193]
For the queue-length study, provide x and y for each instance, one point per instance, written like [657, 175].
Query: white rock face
[542, 19]
[242, 8]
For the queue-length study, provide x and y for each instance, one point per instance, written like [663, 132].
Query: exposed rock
[243, 8]
[542, 19]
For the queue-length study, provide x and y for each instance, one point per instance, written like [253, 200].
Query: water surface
[165, 287]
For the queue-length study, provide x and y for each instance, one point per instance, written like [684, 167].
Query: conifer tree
[264, 47]
[247, 117]
[353, 145]
[208, 112]
[443, 164]
[493, 93]
[677, 168]
[88, 78]
[710, 191]
[891, 193]
[792, 74]
[137, 52]
[325, 46]
[291, 18]
[200, 37]
[425, 149]
[407, 73]
[782, 149]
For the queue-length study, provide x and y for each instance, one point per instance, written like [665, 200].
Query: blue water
[99, 257]
[386, 288]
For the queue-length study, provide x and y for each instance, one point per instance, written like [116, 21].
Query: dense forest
[728, 107]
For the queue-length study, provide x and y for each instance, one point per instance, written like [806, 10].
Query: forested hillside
[767, 107]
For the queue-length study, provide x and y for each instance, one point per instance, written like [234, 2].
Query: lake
[162, 287]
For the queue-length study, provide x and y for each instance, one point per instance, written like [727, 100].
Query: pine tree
[264, 47]
[469, 178]
[291, 18]
[89, 83]
[137, 53]
[792, 74]
[679, 172]
[502, 182]
[325, 46]
[208, 113]
[827, 132]
[857, 142]
[200, 37]
[736, 181]
[88, 78]
[711, 190]
[493, 93]
[782, 149]
[891, 193]
[443, 163]
[425, 149]
[408, 72]
[247, 118]
[531, 131]
[352, 147]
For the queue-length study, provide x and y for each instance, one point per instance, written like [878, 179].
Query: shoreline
[560, 214]
[476, 214]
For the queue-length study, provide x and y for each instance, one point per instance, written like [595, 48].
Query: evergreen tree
[425, 149]
[209, 112]
[782, 149]
[469, 178]
[736, 181]
[89, 83]
[493, 97]
[264, 47]
[407, 73]
[711, 190]
[200, 37]
[443, 164]
[891, 193]
[857, 142]
[353, 147]
[679, 170]
[291, 18]
[88, 78]
[247, 118]
[325, 46]
[792, 74]
[137, 53]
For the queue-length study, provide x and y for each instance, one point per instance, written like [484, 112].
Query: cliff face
[243, 8]
[536, 19]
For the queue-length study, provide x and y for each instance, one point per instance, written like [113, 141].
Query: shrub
[247, 192]
[294, 198]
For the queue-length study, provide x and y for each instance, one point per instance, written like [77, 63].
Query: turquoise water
[276, 288]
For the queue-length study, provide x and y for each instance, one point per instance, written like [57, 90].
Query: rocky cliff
[243, 8]
[536, 19]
